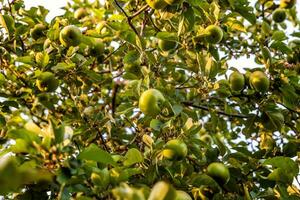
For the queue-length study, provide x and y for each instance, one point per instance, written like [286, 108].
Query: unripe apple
[287, 3]
[175, 150]
[167, 45]
[259, 81]
[236, 81]
[162, 191]
[182, 195]
[97, 48]
[70, 36]
[219, 172]
[156, 4]
[46, 82]
[80, 13]
[37, 31]
[173, 2]
[214, 34]
[149, 102]
[279, 15]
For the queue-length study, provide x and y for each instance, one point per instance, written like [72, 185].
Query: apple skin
[175, 150]
[37, 31]
[259, 81]
[182, 195]
[214, 34]
[173, 2]
[163, 191]
[236, 81]
[80, 13]
[279, 15]
[97, 49]
[149, 102]
[287, 3]
[70, 36]
[219, 172]
[167, 45]
[47, 82]
[156, 4]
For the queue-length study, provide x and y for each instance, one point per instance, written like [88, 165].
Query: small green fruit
[149, 102]
[70, 36]
[173, 2]
[259, 81]
[97, 49]
[182, 195]
[287, 3]
[279, 15]
[236, 81]
[80, 13]
[38, 31]
[156, 4]
[214, 34]
[47, 82]
[162, 191]
[175, 149]
[167, 45]
[219, 172]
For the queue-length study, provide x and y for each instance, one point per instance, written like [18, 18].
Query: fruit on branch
[156, 4]
[167, 45]
[214, 34]
[162, 191]
[46, 82]
[259, 81]
[236, 81]
[279, 15]
[38, 31]
[97, 49]
[182, 195]
[80, 13]
[70, 36]
[173, 2]
[287, 3]
[219, 172]
[175, 150]
[150, 102]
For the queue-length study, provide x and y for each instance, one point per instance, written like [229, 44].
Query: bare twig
[191, 104]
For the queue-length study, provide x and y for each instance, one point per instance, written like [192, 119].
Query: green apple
[162, 191]
[80, 13]
[219, 172]
[70, 36]
[167, 45]
[175, 150]
[97, 49]
[287, 3]
[182, 195]
[259, 81]
[38, 31]
[279, 15]
[214, 34]
[236, 81]
[149, 102]
[156, 4]
[173, 2]
[46, 82]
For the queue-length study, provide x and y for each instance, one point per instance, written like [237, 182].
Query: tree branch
[190, 104]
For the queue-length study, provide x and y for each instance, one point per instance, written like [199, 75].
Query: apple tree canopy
[134, 99]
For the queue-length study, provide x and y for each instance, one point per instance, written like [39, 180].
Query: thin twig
[190, 104]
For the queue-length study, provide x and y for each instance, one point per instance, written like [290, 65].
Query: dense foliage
[134, 100]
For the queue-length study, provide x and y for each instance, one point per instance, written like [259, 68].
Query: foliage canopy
[73, 125]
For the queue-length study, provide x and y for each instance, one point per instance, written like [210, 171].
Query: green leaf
[93, 152]
[167, 36]
[156, 124]
[133, 156]
[279, 36]
[24, 134]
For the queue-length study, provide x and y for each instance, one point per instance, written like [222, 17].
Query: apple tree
[135, 100]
